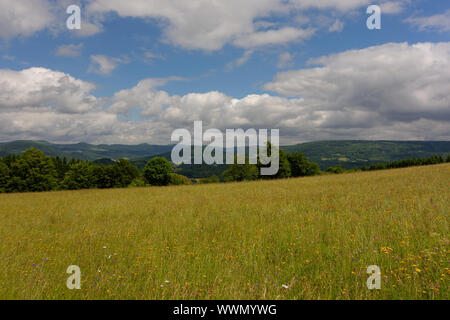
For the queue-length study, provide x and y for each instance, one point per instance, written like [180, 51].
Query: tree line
[290, 166]
[396, 164]
[33, 171]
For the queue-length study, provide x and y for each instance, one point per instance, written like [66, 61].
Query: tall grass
[310, 238]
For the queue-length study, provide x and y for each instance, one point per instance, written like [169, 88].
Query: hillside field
[307, 238]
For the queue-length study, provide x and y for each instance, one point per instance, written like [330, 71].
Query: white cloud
[44, 89]
[69, 50]
[438, 22]
[392, 91]
[210, 25]
[195, 24]
[144, 95]
[24, 17]
[380, 85]
[104, 65]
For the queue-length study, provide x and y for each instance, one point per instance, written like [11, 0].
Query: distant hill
[355, 154]
[348, 154]
[85, 151]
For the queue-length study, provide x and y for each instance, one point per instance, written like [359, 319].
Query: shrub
[178, 180]
[157, 172]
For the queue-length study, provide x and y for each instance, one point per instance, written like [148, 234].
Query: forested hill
[355, 154]
[84, 151]
[348, 154]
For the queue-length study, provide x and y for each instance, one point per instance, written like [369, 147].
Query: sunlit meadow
[309, 238]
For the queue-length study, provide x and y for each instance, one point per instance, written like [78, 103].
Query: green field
[308, 238]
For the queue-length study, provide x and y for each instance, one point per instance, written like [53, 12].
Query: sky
[139, 69]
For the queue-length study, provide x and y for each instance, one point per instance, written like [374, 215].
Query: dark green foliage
[241, 172]
[348, 154]
[284, 170]
[407, 163]
[78, 177]
[178, 180]
[336, 170]
[138, 182]
[33, 171]
[127, 172]
[212, 179]
[85, 151]
[301, 167]
[4, 176]
[61, 167]
[355, 154]
[157, 172]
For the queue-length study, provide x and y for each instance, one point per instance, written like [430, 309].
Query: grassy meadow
[308, 238]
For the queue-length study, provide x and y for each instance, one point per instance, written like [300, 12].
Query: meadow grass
[308, 238]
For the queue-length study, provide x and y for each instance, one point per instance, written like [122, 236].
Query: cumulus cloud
[144, 96]
[438, 22]
[25, 17]
[210, 25]
[376, 86]
[391, 91]
[195, 24]
[40, 88]
[39, 103]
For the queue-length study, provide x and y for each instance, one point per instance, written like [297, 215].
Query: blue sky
[247, 64]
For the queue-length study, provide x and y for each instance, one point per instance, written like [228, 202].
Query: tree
[4, 177]
[336, 170]
[61, 167]
[78, 177]
[284, 170]
[301, 167]
[101, 177]
[157, 172]
[241, 172]
[33, 171]
[127, 172]
[284, 167]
